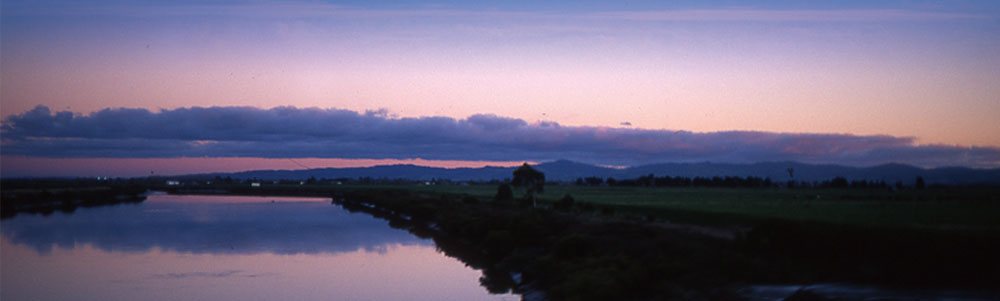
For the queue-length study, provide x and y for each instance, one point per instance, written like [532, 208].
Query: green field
[970, 208]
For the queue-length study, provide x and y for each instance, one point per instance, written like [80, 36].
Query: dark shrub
[804, 295]
[524, 201]
[504, 193]
[608, 210]
[470, 200]
[564, 204]
[498, 243]
[572, 246]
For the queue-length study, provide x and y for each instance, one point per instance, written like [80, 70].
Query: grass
[948, 209]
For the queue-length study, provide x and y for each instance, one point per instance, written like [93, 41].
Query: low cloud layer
[288, 132]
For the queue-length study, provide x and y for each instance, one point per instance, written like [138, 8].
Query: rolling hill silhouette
[564, 170]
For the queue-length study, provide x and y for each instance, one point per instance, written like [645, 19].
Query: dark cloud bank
[330, 133]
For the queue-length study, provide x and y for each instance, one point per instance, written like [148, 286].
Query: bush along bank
[545, 254]
[67, 199]
[582, 253]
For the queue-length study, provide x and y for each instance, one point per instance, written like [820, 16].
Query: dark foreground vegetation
[48, 196]
[638, 242]
[574, 251]
[546, 253]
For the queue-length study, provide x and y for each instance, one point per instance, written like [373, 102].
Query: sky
[125, 88]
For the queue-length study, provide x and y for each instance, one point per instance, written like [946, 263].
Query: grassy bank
[595, 250]
[566, 257]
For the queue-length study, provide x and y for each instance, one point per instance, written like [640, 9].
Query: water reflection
[211, 224]
[197, 247]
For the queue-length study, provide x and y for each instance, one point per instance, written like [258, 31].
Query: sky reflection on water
[210, 248]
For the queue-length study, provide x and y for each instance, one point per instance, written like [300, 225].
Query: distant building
[173, 183]
[255, 184]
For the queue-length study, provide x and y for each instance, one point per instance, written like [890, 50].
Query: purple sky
[857, 83]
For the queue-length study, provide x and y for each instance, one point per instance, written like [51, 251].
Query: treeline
[228, 180]
[742, 182]
[61, 183]
[46, 196]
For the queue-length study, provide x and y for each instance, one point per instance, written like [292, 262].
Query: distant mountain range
[563, 170]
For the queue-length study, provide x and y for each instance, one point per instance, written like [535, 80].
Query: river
[187, 247]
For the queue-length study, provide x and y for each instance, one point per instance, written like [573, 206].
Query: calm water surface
[225, 247]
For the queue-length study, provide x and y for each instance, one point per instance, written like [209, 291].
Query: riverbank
[47, 200]
[573, 256]
[538, 252]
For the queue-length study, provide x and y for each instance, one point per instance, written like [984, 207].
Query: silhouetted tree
[839, 182]
[647, 180]
[531, 179]
[920, 183]
[791, 172]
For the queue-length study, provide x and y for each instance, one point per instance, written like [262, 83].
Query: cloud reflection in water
[288, 226]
